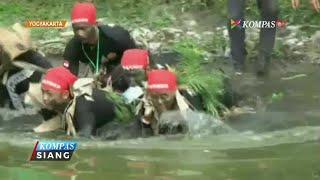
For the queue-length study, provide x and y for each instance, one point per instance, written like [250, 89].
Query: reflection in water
[283, 161]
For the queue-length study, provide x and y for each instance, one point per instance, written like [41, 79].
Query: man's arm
[34, 57]
[47, 114]
[52, 121]
[71, 56]
[123, 39]
[84, 117]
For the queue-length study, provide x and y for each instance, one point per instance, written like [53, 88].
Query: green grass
[132, 13]
[21, 11]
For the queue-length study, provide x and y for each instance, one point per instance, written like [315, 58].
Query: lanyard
[97, 58]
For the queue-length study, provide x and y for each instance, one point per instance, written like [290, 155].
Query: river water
[282, 141]
[289, 154]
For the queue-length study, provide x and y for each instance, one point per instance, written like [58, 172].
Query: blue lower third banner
[53, 150]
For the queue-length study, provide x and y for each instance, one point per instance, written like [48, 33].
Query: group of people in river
[119, 82]
[118, 78]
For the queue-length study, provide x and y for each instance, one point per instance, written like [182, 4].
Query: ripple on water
[17, 132]
[226, 141]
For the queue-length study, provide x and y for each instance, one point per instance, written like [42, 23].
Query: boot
[238, 69]
[262, 66]
[239, 66]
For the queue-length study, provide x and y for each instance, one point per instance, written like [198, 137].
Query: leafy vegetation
[190, 72]
[123, 111]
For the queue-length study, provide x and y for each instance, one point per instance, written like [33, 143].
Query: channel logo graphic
[235, 23]
[53, 150]
[258, 24]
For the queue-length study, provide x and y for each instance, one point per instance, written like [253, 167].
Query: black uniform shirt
[111, 40]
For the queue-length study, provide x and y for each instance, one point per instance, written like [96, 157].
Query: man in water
[162, 94]
[84, 109]
[158, 95]
[98, 46]
[15, 48]
[130, 78]
[130, 75]
[269, 12]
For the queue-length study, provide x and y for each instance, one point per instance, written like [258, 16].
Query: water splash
[206, 133]
[196, 124]
[8, 114]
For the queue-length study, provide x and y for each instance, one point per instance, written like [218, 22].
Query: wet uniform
[112, 40]
[90, 115]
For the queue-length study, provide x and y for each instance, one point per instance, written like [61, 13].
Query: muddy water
[279, 141]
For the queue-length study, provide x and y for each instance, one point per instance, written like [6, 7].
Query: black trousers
[268, 12]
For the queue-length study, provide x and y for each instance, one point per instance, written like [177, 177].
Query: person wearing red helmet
[84, 109]
[162, 94]
[135, 59]
[159, 95]
[96, 45]
[162, 88]
[140, 86]
[129, 77]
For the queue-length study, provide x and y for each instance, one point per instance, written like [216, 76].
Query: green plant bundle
[124, 112]
[208, 84]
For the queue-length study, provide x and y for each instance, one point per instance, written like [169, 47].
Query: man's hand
[100, 79]
[111, 56]
[295, 4]
[315, 5]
